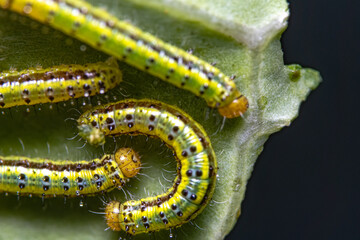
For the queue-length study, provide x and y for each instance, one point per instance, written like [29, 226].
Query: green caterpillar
[194, 184]
[48, 178]
[137, 48]
[58, 83]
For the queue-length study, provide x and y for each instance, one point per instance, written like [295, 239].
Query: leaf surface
[242, 37]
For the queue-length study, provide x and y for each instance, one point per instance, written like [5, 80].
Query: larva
[58, 83]
[196, 162]
[105, 32]
[47, 178]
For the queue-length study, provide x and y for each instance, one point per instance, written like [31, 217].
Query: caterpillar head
[128, 161]
[236, 108]
[92, 135]
[112, 215]
[118, 217]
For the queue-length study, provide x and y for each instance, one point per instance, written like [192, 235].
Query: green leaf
[242, 37]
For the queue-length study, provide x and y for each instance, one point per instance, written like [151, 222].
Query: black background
[306, 183]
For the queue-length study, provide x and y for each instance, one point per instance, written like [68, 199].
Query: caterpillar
[142, 50]
[194, 184]
[48, 178]
[58, 83]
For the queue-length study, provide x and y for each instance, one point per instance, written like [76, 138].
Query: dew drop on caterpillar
[142, 50]
[58, 83]
[194, 184]
[48, 178]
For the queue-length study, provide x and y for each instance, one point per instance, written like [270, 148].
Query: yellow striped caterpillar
[142, 50]
[58, 83]
[194, 184]
[48, 178]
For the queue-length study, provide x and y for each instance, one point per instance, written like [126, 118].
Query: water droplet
[171, 235]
